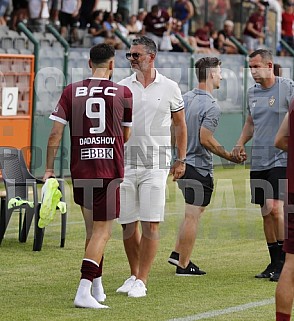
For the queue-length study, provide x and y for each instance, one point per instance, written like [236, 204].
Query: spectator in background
[287, 26]
[123, 8]
[140, 18]
[54, 7]
[253, 33]
[183, 11]
[110, 26]
[132, 27]
[97, 28]
[69, 18]
[88, 7]
[156, 23]
[101, 32]
[38, 15]
[176, 29]
[119, 25]
[275, 5]
[108, 20]
[19, 13]
[4, 4]
[218, 12]
[223, 43]
[203, 37]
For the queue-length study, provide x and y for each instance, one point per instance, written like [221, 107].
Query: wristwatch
[181, 160]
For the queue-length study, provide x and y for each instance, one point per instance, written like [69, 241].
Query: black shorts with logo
[267, 184]
[196, 189]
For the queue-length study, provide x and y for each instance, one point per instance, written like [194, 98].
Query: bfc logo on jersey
[96, 153]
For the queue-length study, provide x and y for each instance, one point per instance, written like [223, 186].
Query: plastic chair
[19, 43]
[18, 182]
[7, 42]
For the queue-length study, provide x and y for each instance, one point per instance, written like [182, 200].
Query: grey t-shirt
[201, 109]
[268, 108]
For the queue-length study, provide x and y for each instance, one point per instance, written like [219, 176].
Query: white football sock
[84, 298]
[97, 290]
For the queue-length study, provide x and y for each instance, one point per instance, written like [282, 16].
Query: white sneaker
[126, 287]
[138, 290]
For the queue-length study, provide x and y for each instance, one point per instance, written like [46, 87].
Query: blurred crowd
[168, 23]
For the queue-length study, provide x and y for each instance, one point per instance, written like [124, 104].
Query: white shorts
[142, 195]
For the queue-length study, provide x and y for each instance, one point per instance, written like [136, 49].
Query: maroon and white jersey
[96, 110]
[156, 24]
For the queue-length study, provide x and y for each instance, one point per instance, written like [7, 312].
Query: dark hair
[106, 15]
[264, 54]
[148, 43]
[101, 53]
[96, 14]
[203, 64]
[278, 70]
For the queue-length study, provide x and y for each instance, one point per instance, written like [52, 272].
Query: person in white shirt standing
[69, 17]
[157, 101]
[38, 15]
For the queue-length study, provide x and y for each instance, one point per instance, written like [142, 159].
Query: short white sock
[98, 290]
[84, 299]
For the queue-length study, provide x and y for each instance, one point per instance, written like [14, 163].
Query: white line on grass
[216, 313]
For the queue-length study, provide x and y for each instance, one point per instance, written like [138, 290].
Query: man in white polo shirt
[157, 101]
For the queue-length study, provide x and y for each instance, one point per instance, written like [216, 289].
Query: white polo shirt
[150, 141]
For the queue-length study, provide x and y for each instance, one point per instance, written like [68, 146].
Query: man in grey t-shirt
[268, 103]
[202, 117]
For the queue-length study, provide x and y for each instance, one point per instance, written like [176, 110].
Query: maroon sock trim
[89, 270]
[282, 317]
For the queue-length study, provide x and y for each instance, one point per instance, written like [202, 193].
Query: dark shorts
[288, 246]
[99, 195]
[268, 184]
[196, 188]
[66, 19]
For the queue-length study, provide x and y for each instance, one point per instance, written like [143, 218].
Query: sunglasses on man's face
[134, 55]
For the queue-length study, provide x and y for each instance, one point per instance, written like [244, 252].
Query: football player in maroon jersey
[99, 113]
[285, 288]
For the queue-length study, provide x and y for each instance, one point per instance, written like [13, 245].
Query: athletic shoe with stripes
[267, 273]
[190, 270]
